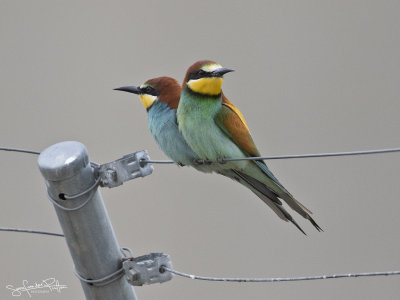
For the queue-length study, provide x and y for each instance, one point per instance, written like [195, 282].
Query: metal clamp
[128, 167]
[147, 269]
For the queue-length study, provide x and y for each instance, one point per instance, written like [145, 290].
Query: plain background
[311, 76]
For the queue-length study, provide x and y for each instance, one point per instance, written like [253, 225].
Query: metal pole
[88, 231]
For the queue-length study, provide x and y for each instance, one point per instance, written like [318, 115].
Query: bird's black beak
[221, 71]
[129, 89]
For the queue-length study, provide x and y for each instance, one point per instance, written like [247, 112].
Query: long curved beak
[221, 71]
[129, 89]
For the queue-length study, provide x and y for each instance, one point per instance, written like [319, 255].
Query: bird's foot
[202, 162]
[221, 160]
[198, 161]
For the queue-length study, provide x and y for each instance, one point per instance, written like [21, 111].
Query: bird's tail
[271, 198]
[281, 192]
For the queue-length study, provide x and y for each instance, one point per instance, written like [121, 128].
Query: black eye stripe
[200, 74]
[148, 90]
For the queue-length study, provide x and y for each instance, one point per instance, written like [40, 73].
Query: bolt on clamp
[128, 167]
[147, 269]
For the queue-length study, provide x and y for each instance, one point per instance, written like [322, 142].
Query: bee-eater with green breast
[214, 128]
[160, 96]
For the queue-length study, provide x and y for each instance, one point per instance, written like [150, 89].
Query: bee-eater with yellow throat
[160, 97]
[214, 128]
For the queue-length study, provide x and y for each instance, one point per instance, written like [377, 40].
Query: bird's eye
[148, 90]
[201, 73]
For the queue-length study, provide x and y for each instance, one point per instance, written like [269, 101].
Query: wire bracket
[147, 269]
[128, 167]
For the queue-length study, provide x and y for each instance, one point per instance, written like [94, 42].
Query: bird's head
[163, 89]
[205, 77]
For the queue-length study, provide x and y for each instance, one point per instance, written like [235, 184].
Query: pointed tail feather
[315, 224]
[280, 190]
[279, 210]
[267, 196]
[271, 199]
[301, 209]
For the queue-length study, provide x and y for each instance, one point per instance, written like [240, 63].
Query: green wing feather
[231, 121]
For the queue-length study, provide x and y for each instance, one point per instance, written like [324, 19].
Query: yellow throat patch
[147, 100]
[206, 86]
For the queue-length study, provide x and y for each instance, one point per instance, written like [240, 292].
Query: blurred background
[311, 76]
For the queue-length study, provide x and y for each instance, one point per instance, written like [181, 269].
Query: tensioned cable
[182, 274]
[93, 164]
[19, 150]
[101, 281]
[91, 190]
[30, 231]
[111, 277]
[333, 276]
[63, 196]
[310, 155]
[98, 282]
[224, 160]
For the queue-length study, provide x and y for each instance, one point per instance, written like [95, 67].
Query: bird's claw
[198, 161]
[221, 160]
[202, 162]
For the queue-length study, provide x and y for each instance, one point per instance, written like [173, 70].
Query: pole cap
[63, 160]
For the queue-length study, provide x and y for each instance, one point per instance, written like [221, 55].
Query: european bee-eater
[214, 128]
[160, 96]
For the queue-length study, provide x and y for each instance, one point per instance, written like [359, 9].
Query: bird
[215, 129]
[160, 97]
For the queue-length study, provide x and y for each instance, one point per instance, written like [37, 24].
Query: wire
[101, 281]
[30, 231]
[91, 190]
[310, 155]
[98, 282]
[158, 161]
[19, 150]
[70, 197]
[93, 164]
[333, 276]
[111, 277]
[224, 160]
[182, 274]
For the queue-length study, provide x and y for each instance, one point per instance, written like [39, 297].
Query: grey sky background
[311, 76]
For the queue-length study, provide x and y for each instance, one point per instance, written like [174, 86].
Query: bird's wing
[231, 121]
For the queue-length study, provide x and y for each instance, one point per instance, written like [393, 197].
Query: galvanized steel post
[88, 231]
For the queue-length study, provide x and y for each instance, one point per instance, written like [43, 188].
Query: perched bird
[214, 128]
[160, 96]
